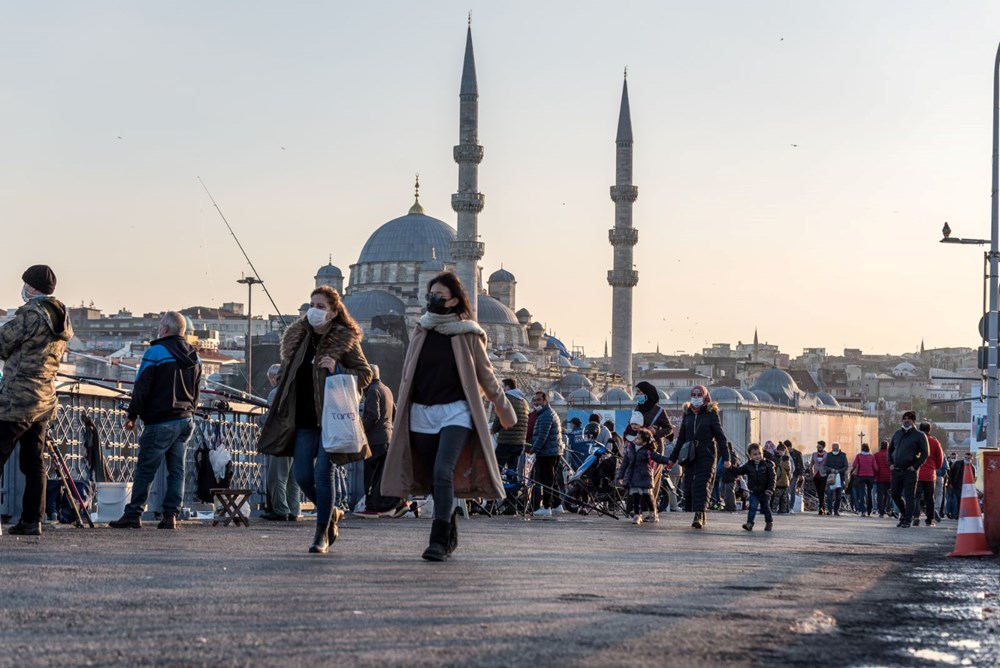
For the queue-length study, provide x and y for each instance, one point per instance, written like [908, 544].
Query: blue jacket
[166, 384]
[546, 439]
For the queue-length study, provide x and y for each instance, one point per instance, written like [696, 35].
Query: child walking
[636, 472]
[760, 482]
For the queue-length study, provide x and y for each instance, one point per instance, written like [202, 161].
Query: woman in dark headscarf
[654, 418]
[701, 423]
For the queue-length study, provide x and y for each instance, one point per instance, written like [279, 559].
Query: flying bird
[794, 145]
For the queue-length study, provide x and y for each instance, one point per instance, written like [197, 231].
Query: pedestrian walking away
[441, 438]
[883, 478]
[864, 469]
[325, 341]
[701, 425]
[761, 480]
[31, 345]
[927, 478]
[165, 397]
[907, 451]
[377, 413]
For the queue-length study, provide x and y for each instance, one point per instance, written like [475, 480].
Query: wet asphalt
[568, 591]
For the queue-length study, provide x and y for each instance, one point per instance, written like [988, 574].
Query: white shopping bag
[341, 425]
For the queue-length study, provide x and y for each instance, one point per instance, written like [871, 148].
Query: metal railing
[236, 430]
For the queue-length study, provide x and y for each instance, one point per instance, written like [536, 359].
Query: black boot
[169, 521]
[453, 533]
[333, 530]
[320, 541]
[23, 528]
[440, 539]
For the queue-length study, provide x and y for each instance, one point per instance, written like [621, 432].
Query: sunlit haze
[795, 160]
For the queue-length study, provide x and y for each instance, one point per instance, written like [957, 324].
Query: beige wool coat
[477, 473]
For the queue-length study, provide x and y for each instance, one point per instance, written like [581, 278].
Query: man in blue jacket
[165, 396]
[546, 442]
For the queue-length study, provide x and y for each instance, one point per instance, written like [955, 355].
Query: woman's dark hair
[865, 448]
[463, 309]
[342, 317]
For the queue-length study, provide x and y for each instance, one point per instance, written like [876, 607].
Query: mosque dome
[433, 264]
[564, 363]
[827, 399]
[370, 303]
[904, 369]
[556, 398]
[616, 395]
[680, 395]
[329, 271]
[518, 358]
[748, 395]
[724, 395]
[582, 396]
[501, 276]
[493, 312]
[581, 364]
[523, 312]
[763, 396]
[573, 381]
[780, 386]
[415, 237]
[537, 327]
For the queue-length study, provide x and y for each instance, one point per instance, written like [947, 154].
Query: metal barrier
[234, 429]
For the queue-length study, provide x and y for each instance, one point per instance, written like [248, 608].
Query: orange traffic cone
[971, 538]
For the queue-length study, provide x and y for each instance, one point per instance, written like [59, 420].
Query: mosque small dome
[616, 395]
[329, 271]
[501, 276]
[366, 305]
[572, 381]
[494, 312]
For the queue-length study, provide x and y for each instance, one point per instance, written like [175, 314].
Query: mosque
[385, 289]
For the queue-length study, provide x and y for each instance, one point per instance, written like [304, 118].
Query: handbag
[342, 431]
[688, 450]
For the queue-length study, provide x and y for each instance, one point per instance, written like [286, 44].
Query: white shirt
[432, 419]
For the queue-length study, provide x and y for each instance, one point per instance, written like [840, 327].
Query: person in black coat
[761, 480]
[701, 423]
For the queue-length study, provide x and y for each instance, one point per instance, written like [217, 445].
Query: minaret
[467, 250]
[623, 237]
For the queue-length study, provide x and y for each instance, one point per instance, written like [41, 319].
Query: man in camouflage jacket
[31, 345]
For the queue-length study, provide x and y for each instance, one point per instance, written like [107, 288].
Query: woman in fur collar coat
[701, 423]
[441, 438]
[311, 349]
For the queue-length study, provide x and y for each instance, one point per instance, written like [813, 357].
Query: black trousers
[904, 490]
[545, 474]
[925, 492]
[508, 456]
[32, 438]
[820, 482]
[373, 487]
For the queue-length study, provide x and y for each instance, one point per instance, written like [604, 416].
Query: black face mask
[435, 303]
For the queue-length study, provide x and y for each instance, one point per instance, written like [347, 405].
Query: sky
[795, 161]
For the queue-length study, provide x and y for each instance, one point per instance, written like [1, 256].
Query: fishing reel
[221, 405]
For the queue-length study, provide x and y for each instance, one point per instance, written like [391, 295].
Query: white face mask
[697, 402]
[539, 407]
[630, 438]
[316, 316]
[24, 294]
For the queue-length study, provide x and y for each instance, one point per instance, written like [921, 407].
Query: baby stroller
[593, 484]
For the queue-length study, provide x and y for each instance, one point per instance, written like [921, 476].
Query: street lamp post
[249, 281]
[991, 321]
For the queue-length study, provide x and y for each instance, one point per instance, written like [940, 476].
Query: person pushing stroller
[636, 472]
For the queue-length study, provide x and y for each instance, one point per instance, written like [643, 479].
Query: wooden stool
[231, 501]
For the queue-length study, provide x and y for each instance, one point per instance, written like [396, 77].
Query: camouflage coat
[31, 345]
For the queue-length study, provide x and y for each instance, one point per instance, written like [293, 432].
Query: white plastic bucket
[112, 498]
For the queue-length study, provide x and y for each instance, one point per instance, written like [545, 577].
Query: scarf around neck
[450, 324]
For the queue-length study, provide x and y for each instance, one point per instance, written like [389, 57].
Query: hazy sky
[795, 160]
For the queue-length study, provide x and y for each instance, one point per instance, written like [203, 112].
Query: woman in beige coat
[441, 438]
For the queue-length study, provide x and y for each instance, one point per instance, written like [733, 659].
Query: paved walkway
[569, 591]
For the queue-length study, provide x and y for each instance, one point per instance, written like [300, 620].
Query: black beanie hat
[41, 278]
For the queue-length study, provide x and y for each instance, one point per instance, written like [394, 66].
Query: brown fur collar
[335, 343]
[711, 408]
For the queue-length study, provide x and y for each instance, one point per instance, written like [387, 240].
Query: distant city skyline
[795, 161]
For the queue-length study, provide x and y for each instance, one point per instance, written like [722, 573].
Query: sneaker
[653, 517]
[932, 523]
[126, 522]
[543, 512]
[637, 519]
[399, 512]
[767, 526]
[272, 516]
[168, 522]
[558, 510]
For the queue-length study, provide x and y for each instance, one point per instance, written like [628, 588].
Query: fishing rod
[247, 257]
[240, 394]
[95, 380]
